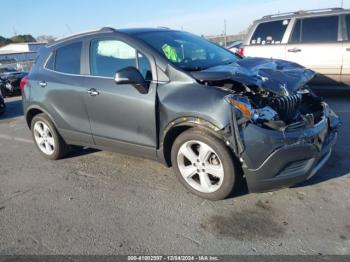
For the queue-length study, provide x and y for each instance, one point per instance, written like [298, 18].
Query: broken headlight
[244, 106]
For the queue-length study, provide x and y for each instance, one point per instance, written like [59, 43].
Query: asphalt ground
[96, 202]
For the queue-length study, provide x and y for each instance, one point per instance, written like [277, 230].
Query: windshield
[190, 52]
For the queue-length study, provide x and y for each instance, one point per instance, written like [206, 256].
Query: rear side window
[67, 58]
[347, 20]
[295, 38]
[319, 29]
[269, 33]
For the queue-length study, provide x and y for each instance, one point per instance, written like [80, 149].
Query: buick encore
[176, 98]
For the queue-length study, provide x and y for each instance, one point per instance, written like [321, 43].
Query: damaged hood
[276, 76]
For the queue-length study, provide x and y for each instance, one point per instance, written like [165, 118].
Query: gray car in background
[176, 98]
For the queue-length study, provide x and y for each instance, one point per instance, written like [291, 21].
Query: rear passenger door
[315, 43]
[267, 40]
[61, 90]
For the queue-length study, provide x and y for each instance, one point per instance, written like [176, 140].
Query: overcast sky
[61, 17]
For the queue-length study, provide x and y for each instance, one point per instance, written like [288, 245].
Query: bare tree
[45, 38]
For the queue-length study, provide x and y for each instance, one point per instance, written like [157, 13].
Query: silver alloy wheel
[200, 166]
[44, 138]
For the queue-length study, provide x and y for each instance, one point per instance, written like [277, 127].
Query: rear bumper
[298, 159]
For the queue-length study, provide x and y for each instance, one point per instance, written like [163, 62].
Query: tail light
[24, 82]
[241, 51]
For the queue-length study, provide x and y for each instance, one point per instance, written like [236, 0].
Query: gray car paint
[123, 120]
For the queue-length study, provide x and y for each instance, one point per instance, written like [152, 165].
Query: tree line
[16, 39]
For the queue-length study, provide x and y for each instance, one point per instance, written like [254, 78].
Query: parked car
[2, 104]
[10, 80]
[316, 39]
[174, 97]
[236, 47]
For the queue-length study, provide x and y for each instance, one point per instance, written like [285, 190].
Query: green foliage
[16, 39]
[23, 39]
[4, 41]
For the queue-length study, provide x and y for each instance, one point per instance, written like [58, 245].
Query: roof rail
[103, 29]
[107, 29]
[300, 12]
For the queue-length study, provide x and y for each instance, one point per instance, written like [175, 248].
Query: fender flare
[37, 107]
[192, 122]
[163, 152]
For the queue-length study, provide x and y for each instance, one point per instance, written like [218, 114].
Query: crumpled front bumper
[275, 159]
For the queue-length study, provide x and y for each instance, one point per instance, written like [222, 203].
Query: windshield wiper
[196, 68]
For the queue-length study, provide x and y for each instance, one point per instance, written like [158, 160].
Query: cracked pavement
[97, 202]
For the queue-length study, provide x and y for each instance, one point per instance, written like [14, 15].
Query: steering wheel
[187, 60]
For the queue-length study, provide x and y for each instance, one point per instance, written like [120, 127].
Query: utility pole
[225, 38]
[69, 29]
[341, 3]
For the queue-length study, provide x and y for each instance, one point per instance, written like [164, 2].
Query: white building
[20, 52]
[19, 55]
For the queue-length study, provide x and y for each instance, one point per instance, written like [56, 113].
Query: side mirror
[131, 76]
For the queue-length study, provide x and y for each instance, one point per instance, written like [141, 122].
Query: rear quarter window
[50, 64]
[269, 33]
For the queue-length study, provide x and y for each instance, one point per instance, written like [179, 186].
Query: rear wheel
[46, 138]
[4, 91]
[2, 107]
[203, 164]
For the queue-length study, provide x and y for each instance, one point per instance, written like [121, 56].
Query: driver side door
[121, 117]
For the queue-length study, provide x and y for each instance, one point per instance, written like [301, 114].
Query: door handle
[42, 84]
[348, 49]
[93, 92]
[294, 50]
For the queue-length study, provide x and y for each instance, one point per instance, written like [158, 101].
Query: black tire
[2, 107]
[4, 92]
[223, 153]
[61, 148]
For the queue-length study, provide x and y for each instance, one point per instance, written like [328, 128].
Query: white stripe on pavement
[19, 139]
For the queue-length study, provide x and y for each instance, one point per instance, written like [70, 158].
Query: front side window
[109, 56]
[67, 58]
[270, 33]
[320, 29]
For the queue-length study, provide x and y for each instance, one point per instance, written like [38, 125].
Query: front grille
[287, 106]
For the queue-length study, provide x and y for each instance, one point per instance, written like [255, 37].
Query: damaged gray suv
[179, 99]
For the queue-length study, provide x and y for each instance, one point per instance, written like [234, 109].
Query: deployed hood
[276, 76]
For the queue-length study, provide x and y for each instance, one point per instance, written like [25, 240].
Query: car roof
[129, 31]
[304, 13]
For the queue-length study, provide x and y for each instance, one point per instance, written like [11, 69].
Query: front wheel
[203, 164]
[47, 139]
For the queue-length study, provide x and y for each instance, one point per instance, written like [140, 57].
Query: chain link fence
[21, 66]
